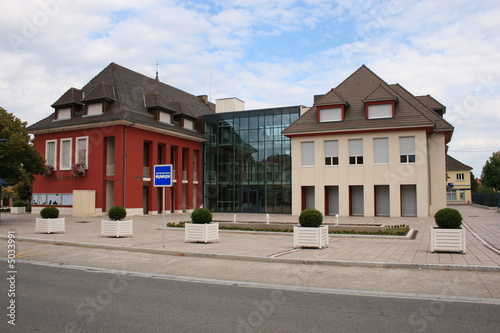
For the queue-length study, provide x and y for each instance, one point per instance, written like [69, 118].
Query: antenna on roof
[157, 78]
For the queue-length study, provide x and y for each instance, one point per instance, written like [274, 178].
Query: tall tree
[18, 155]
[491, 172]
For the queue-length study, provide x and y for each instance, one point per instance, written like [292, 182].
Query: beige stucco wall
[427, 176]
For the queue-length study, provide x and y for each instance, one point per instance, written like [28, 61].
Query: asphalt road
[50, 299]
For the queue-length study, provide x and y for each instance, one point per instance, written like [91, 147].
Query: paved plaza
[482, 225]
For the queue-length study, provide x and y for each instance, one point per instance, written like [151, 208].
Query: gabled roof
[332, 98]
[127, 92]
[432, 103]
[361, 86]
[455, 165]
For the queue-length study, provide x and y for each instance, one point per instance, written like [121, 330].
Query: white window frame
[77, 150]
[307, 159]
[460, 177]
[332, 157]
[355, 157]
[407, 149]
[67, 159]
[330, 114]
[380, 111]
[380, 150]
[54, 158]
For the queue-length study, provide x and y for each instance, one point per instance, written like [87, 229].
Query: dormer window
[188, 124]
[94, 109]
[328, 114]
[379, 110]
[164, 117]
[64, 113]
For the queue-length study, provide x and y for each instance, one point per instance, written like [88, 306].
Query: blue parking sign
[162, 175]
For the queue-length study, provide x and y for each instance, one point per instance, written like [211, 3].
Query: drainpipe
[436, 131]
[125, 164]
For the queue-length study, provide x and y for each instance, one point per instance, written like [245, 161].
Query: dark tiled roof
[332, 98]
[128, 93]
[363, 84]
[71, 97]
[455, 165]
[432, 103]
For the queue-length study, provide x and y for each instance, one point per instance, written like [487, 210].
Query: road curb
[341, 263]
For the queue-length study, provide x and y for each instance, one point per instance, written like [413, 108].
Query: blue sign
[162, 175]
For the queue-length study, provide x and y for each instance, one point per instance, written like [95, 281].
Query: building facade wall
[458, 189]
[369, 175]
[247, 161]
[125, 178]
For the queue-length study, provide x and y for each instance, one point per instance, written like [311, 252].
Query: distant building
[118, 126]
[458, 189]
[247, 161]
[368, 148]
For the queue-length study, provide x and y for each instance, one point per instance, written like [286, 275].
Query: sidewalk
[483, 240]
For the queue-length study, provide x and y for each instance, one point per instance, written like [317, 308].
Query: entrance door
[382, 200]
[408, 200]
[249, 200]
[357, 200]
[333, 200]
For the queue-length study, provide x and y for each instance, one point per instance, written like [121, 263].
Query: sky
[267, 53]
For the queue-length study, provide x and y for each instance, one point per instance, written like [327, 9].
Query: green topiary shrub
[117, 213]
[201, 215]
[448, 218]
[310, 218]
[18, 203]
[49, 213]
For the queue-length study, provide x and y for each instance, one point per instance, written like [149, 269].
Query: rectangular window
[378, 111]
[356, 151]
[460, 176]
[65, 154]
[63, 113]
[94, 109]
[165, 117]
[332, 114]
[407, 149]
[307, 150]
[189, 124]
[82, 148]
[381, 150]
[50, 152]
[332, 152]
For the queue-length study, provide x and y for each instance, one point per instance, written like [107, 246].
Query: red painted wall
[128, 170]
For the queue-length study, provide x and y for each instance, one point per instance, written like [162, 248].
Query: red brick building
[118, 126]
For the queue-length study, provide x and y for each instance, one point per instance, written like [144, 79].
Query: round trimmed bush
[49, 213]
[18, 203]
[448, 218]
[117, 213]
[201, 215]
[310, 218]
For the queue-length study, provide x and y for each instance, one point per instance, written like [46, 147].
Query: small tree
[448, 218]
[310, 218]
[49, 213]
[117, 213]
[201, 215]
[491, 172]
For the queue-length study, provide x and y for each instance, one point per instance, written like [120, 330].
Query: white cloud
[449, 49]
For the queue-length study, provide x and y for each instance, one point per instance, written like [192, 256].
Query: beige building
[367, 148]
[458, 187]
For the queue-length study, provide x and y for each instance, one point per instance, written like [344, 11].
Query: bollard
[337, 217]
[267, 218]
[234, 218]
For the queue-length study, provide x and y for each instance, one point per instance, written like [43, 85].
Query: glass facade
[247, 161]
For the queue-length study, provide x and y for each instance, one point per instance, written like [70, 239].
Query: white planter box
[447, 240]
[18, 210]
[310, 237]
[50, 225]
[116, 228]
[201, 232]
